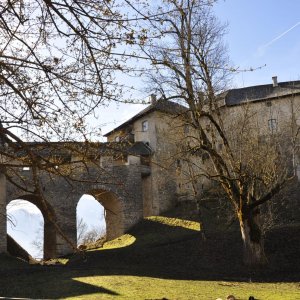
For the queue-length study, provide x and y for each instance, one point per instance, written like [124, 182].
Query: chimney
[153, 98]
[275, 83]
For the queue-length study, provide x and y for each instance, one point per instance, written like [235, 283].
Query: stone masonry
[118, 189]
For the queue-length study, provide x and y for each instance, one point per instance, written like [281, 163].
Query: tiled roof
[140, 148]
[165, 106]
[232, 97]
[261, 92]
[137, 148]
[66, 149]
[47, 149]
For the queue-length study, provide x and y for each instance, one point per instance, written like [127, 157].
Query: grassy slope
[162, 258]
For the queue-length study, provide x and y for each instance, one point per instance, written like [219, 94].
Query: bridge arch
[113, 211]
[49, 239]
[90, 220]
[119, 190]
[25, 226]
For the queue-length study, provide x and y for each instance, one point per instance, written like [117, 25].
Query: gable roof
[261, 92]
[161, 105]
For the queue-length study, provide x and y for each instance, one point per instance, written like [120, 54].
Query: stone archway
[90, 221]
[114, 213]
[49, 243]
[25, 229]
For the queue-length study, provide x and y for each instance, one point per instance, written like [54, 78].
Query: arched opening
[91, 226]
[25, 225]
[112, 212]
[46, 229]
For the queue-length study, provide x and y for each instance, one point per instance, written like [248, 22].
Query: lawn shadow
[172, 252]
[47, 283]
[159, 251]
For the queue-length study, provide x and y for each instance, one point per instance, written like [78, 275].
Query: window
[272, 124]
[26, 168]
[145, 126]
[117, 139]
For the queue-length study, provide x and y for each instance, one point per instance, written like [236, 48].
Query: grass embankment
[162, 258]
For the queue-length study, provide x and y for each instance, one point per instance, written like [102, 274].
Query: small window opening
[272, 124]
[117, 139]
[145, 126]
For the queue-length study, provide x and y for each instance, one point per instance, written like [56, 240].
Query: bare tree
[57, 65]
[37, 243]
[191, 66]
[86, 235]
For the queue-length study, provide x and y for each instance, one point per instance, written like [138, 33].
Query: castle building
[271, 109]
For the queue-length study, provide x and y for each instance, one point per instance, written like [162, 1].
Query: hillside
[163, 258]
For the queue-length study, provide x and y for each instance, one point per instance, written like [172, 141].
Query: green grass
[123, 241]
[133, 287]
[161, 258]
[192, 225]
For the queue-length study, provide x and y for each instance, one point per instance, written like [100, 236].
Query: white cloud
[27, 225]
[26, 206]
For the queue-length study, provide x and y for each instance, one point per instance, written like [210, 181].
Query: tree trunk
[254, 253]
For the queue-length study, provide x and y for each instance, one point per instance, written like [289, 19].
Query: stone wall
[119, 190]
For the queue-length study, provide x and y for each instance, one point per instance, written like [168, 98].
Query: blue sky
[260, 32]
